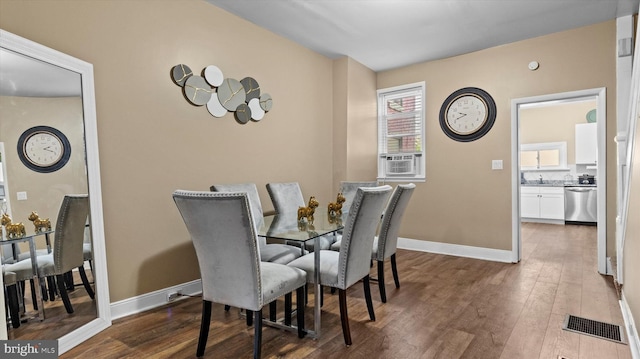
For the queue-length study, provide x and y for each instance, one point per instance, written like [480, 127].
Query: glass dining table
[31, 240]
[286, 227]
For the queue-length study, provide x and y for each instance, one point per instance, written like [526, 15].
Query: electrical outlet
[171, 296]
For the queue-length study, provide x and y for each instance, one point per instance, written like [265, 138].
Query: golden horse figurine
[14, 230]
[39, 223]
[335, 208]
[308, 211]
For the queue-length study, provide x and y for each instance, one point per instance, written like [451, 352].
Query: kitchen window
[401, 133]
[544, 156]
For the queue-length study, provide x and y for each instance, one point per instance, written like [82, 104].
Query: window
[401, 133]
[544, 156]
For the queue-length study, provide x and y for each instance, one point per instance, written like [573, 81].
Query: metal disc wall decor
[257, 113]
[266, 102]
[197, 90]
[243, 113]
[180, 74]
[214, 106]
[222, 95]
[213, 75]
[231, 94]
[251, 87]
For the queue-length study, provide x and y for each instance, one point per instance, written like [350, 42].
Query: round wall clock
[467, 114]
[44, 149]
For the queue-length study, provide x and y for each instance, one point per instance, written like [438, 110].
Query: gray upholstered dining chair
[344, 268]
[348, 190]
[273, 252]
[67, 249]
[287, 198]
[223, 234]
[11, 295]
[386, 242]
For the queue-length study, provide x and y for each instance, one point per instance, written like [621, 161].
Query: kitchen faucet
[540, 180]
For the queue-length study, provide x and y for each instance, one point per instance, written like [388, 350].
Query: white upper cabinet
[587, 143]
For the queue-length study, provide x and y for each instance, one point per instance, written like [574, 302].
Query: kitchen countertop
[554, 183]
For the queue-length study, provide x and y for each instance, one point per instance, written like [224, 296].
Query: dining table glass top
[286, 226]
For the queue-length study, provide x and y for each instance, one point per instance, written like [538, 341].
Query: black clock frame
[66, 149]
[484, 129]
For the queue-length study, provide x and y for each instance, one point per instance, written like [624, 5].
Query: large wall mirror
[41, 87]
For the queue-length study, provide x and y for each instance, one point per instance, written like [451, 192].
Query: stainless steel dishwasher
[581, 205]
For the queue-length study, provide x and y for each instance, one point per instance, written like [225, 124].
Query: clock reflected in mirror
[44, 149]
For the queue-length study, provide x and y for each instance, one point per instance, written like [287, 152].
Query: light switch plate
[496, 164]
[22, 196]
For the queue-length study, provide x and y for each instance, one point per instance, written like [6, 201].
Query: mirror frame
[34, 50]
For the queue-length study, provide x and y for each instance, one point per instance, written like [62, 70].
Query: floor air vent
[594, 328]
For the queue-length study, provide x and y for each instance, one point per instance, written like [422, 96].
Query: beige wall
[556, 123]
[463, 201]
[355, 122]
[152, 141]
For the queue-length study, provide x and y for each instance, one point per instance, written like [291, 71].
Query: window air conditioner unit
[400, 165]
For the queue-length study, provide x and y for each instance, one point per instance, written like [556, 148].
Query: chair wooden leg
[287, 309]
[383, 293]
[33, 294]
[85, 282]
[63, 293]
[273, 307]
[204, 328]
[394, 269]
[257, 340]
[68, 278]
[367, 298]
[51, 283]
[249, 317]
[344, 318]
[14, 305]
[300, 304]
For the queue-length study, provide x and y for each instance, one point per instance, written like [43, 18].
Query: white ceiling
[386, 34]
[380, 34]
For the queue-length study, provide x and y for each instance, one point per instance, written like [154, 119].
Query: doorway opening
[554, 169]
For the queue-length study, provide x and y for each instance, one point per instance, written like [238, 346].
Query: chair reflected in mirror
[67, 252]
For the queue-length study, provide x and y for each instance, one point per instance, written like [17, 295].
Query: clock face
[467, 114]
[44, 149]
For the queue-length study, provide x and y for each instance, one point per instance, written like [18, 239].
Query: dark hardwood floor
[57, 321]
[447, 307]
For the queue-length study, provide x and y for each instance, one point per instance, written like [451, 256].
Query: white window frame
[417, 172]
[537, 147]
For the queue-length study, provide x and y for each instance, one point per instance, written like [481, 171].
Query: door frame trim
[600, 95]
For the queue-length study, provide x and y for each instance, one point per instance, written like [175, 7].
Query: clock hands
[462, 115]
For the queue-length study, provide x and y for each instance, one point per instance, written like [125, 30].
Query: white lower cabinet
[542, 203]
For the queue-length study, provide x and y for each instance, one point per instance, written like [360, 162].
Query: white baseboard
[152, 300]
[631, 329]
[496, 255]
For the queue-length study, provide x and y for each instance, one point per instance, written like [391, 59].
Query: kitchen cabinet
[586, 143]
[542, 203]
